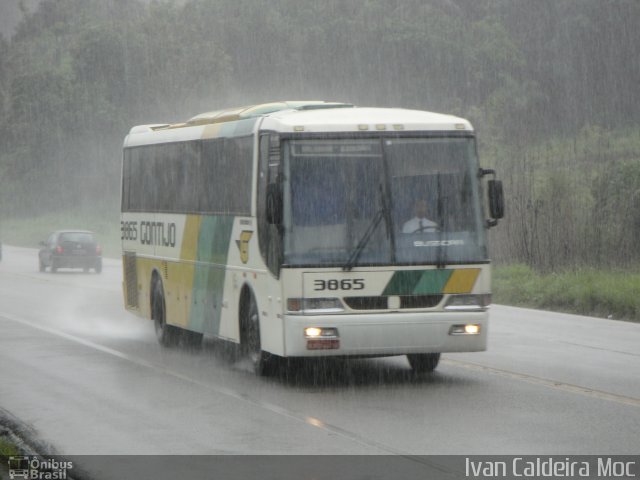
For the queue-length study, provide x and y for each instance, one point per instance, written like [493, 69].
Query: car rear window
[77, 237]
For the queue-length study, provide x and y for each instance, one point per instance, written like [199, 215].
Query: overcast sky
[10, 15]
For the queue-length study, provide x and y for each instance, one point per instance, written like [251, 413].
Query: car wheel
[98, 267]
[167, 335]
[54, 266]
[41, 265]
[260, 361]
[423, 362]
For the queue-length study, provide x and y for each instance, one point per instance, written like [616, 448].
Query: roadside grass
[8, 448]
[29, 231]
[585, 291]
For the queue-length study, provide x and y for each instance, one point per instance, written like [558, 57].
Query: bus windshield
[391, 201]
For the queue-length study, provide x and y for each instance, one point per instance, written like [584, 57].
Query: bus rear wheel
[423, 362]
[191, 340]
[167, 335]
[251, 339]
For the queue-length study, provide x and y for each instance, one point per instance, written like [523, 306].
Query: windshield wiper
[355, 254]
[380, 214]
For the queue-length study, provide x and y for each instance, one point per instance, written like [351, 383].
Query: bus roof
[296, 116]
[362, 119]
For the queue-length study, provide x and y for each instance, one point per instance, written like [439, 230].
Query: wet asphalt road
[89, 378]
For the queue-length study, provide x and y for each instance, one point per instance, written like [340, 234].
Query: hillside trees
[546, 84]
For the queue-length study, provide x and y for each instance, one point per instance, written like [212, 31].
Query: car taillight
[98, 250]
[59, 249]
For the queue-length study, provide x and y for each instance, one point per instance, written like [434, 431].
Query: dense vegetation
[551, 86]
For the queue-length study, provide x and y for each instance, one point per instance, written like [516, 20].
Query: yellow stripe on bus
[211, 131]
[461, 280]
[189, 248]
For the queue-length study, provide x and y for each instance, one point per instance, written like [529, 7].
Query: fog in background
[551, 87]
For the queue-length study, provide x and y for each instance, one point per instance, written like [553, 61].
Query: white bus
[286, 228]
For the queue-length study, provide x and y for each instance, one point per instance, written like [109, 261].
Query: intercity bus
[279, 227]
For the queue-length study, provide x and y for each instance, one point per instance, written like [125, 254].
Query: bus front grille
[366, 303]
[382, 302]
[419, 301]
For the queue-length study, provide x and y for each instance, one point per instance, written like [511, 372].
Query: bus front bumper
[385, 334]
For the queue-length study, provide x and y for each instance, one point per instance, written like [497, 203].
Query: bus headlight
[322, 338]
[314, 305]
[321, 332]
[468, 329]
[468, 302]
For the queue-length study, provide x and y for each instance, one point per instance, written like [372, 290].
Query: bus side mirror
[496, 199]
[274, 204]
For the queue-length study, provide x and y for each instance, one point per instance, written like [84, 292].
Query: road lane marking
[305, 419]
[316, 422]
[444, 470]
[602, 349]
[557, 385]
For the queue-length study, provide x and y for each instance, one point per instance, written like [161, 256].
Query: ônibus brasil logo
[30, 467]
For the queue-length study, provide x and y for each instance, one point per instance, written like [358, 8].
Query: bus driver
[419, 223]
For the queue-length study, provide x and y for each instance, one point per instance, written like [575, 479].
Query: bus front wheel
[166, 334]
[251, 338]
[423, 362]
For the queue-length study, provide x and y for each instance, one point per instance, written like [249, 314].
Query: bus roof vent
[218, 116]
[148, 128]
[252, 111]
[318, 106]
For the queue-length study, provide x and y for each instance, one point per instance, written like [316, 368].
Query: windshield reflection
[411, 201]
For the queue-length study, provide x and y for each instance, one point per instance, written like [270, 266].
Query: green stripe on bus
[417, 282]
[208, 282]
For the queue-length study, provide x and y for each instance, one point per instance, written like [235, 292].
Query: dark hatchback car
[71, 249]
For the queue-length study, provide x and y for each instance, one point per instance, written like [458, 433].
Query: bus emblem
[243, 245]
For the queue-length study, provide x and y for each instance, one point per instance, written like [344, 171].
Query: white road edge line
[311, 421]
[315, 422]
[565, 387]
